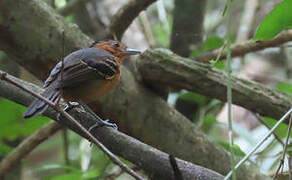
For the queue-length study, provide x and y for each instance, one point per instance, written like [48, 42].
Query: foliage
[276, 21]
[211, 42]
[284, 87]
[11, 116]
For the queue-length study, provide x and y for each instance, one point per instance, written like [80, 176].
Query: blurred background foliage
[56, 160]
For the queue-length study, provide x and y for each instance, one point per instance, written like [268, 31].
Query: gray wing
[83, 65]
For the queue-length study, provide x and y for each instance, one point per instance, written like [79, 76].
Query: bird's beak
[130, 51]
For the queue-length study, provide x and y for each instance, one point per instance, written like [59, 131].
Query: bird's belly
[90, 91]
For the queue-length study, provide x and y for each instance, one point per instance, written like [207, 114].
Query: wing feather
[83, 65]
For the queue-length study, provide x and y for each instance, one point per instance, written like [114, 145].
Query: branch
[163, 67]
[27, 145]
[88, 135]
[125, 16]
[187, 26]
[130, 103]
[246, 47]
[150, 159]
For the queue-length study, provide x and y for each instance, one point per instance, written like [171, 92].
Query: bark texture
[164, 67]
[153, 161]
[187, 26]
[34, 36]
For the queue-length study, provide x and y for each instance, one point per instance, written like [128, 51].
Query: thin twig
[290, 167]
[62, 68]
[3, 76]
[27, 145]
[282, 119]
[285, 148]
[176, 171]
[259, 118]
[125, 16]
[65, 145]
[229, 88]
[240, 49]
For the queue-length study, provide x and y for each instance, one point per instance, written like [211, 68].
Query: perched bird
[87, 75]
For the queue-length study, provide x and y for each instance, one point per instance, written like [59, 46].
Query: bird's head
[116, 48]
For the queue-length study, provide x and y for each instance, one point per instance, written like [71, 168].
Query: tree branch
[246, 47]
[130, 103]
[125, 16]
[150, 159]
[27, 145]
[161, 66]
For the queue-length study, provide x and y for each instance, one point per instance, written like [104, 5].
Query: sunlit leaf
[4, 150]
[209, 121]
[211, 42]
[69, 18]
[281, 130]
[11, 116]
[194, 97]
[277, 20]
[70, 176]
[236, 149]
[217, 64]
[284, 87]
[92, 173]
[57, 166]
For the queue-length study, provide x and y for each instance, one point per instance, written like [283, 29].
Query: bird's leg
[99, 122]
[69, 106]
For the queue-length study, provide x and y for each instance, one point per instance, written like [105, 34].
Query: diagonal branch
[161, 66]
[150, 159]
[26, 146]
[125, 16]
[74, 122]
[246, 47]
[136, 109]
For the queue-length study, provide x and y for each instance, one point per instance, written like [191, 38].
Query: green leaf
[11, 116]
[69, 18]
[159, 34]
[4, 150]
[236, 149]
[194, 97]
[211, 42]
[284, 87]
[71, 176]
[57, 166]
[92, 173]
[209, 121]
[277, 20]
[217, 64]
[281, 130]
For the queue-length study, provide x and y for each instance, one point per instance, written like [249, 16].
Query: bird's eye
[115, 44]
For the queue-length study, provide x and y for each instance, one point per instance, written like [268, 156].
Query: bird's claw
[102, 123]
[70, 105]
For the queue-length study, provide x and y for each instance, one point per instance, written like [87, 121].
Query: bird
[84, 75]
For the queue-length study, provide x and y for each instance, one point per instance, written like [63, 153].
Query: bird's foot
[101, 123]
[70, 105]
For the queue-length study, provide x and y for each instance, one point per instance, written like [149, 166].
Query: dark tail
[38, 106]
